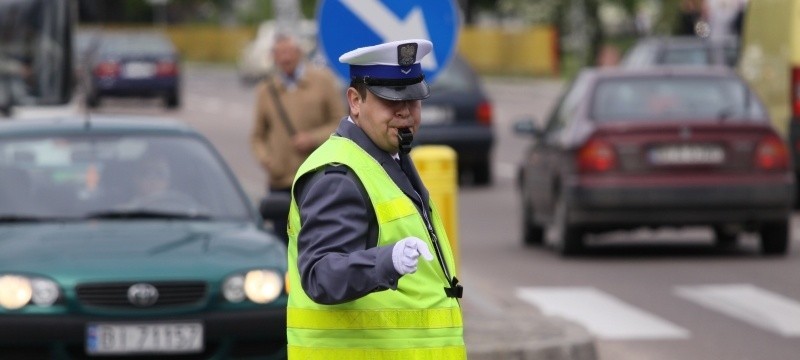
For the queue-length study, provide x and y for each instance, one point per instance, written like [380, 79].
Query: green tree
[666, 21]
[470, 7]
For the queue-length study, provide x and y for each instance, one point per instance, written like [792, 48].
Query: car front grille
[115, 295]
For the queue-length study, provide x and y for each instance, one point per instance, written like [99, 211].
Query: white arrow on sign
[391, 28]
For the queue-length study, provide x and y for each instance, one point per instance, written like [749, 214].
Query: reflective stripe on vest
[442, 353]
[374, 319]
[394, 209]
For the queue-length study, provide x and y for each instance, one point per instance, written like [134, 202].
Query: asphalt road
[643, 294]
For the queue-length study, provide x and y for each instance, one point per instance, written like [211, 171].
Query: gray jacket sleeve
[335, 262]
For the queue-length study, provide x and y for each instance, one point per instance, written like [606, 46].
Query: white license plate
[436, 115]
[133, 338]
[137, 70]
[689, 154]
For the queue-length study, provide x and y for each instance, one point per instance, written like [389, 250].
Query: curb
[527, 337]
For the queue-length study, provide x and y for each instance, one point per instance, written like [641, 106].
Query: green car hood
[134, 250]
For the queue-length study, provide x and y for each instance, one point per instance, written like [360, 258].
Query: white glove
[406, 252]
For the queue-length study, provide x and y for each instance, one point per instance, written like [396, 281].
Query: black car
[682, 50]
[134, 64]
[458, 114]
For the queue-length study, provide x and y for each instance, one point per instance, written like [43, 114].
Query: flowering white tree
[287, 15]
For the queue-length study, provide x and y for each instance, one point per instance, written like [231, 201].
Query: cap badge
[407, 54]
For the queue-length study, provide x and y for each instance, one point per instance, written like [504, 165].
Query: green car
[131, 237]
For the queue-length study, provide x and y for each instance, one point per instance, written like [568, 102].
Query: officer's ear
[354, 100]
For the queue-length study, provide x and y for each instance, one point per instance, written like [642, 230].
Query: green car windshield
[119, 177]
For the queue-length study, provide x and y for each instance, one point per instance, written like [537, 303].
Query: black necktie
[406, 171]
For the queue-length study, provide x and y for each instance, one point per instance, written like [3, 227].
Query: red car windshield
[674, 98]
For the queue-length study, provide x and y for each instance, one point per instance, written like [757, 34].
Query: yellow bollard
[437, 168]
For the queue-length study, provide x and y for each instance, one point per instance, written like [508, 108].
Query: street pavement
[499, 332]
[524, 336]
[490, 334]
[498, 325]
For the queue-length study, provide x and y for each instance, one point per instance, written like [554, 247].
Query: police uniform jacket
[313, 106]
[334, 206]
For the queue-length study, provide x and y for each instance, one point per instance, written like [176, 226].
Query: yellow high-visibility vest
[416, 321]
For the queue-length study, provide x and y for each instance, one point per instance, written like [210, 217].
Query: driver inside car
[152, 189]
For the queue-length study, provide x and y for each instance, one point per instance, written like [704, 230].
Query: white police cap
[391, 70]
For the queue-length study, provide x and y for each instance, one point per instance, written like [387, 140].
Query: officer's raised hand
[406, 252]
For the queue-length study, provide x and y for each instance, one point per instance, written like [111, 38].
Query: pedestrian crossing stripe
[751, 304]
[600, 313]
[607, 317]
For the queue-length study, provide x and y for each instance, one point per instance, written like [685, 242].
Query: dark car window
[75, 176]
[685, 56]
[673, 98]
[730, 53]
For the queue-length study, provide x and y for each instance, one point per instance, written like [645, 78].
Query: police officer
[371, 271]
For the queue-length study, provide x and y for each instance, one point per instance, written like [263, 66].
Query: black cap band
[370, 81]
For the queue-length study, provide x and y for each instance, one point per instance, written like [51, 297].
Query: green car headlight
[258, 286]
[45, 292]
[233, 288]
[15, 291]
[262, 286]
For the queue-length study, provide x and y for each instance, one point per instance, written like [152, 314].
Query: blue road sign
[348, 24]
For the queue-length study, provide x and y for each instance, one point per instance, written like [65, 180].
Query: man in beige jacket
[312, 105]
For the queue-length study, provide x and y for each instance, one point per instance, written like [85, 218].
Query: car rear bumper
[224, 332]
[472, 144]
[680, 205]
[143, 87]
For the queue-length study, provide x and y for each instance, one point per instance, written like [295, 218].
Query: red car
[657, 147]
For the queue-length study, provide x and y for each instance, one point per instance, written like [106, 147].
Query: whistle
[405, 136]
